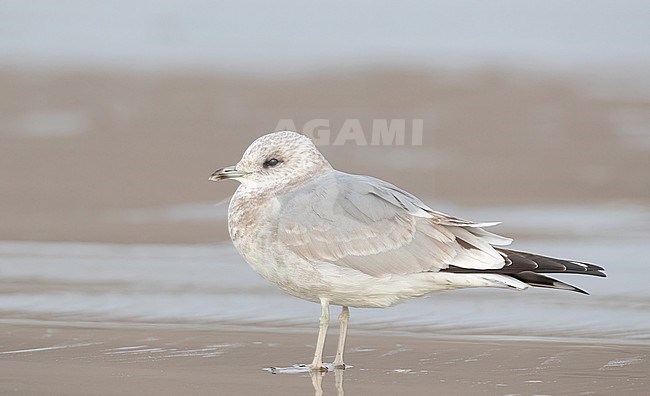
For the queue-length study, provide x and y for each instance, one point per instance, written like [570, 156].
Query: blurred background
[114, 114]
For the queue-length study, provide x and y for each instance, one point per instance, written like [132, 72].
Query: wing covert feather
[370, 225]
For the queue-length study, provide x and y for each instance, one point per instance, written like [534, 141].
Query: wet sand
[71, 360]
[86, 319]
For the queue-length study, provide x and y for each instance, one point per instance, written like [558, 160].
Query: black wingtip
[538, 280]
[590, 269]
[575, 289]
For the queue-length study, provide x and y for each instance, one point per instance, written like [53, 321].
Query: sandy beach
[125, 157]
[88, 360]
[117, 276]
[81, 318]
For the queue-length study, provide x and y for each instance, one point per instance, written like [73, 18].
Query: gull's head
[276, 160]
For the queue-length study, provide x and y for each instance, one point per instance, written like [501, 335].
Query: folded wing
[374, 227]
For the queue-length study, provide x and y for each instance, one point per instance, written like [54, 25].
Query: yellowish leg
[344, 318]
[317, 364]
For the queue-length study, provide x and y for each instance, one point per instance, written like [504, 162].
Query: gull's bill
[229, 172]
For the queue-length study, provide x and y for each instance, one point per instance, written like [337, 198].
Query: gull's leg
[317, 364]
[344, 317]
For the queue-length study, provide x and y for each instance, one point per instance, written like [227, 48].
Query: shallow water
[211, 285]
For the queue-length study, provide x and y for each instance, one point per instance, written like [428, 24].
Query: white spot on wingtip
[585, 266]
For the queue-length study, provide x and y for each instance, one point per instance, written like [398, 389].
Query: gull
[336, 238]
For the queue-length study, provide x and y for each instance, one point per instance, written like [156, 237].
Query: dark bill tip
[229, 172]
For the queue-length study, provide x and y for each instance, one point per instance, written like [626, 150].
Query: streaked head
[277, 160]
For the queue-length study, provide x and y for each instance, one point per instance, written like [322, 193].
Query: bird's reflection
[316, 376]
[317, 381]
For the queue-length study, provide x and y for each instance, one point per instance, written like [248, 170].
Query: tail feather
[539, 280]
[529, 267]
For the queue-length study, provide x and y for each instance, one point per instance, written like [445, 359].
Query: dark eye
[270, 162]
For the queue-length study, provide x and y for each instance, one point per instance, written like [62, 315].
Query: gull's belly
[302, 281]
